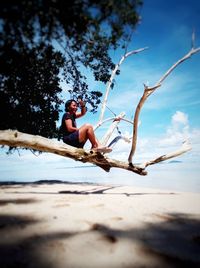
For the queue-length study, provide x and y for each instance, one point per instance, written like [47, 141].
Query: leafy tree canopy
[31, 65]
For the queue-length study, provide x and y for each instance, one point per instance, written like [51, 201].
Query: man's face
[73, 107]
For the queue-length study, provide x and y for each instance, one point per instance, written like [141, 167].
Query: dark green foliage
[29, 90]
[44, 42]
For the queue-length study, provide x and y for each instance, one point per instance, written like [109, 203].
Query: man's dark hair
[68, 103]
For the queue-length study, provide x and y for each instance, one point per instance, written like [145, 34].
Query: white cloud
[180, 118]
[149, 148]
[177, 132]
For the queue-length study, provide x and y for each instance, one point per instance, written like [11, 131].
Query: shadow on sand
[174, 240]
[174, 243]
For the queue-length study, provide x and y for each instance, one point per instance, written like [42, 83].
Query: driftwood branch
[15, 138]
[111, 119]
[187, 56]
[103, 122]
[111, 129]
[184, 148]
[135, 121]
[111, 80]
[147, 92]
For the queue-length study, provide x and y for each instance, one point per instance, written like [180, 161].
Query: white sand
[77, 225]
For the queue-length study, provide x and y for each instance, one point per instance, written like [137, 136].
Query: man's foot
[102, 149]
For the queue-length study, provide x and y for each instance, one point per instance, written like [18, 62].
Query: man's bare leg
[86, 132]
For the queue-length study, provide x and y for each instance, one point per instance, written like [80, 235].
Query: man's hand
[83, 108]
[81, 103]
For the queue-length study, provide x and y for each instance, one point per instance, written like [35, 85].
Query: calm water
[170, 176]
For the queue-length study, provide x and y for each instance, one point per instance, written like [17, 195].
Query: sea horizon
[172, 176]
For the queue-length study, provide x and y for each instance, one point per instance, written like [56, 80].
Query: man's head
[71, 106]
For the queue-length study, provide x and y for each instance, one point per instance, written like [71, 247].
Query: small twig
[193, 39]
[188, 55]
[111, 119]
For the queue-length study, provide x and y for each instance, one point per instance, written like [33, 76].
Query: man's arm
[69, 126]
[83, 109]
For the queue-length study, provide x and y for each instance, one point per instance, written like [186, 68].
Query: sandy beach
[88, 225]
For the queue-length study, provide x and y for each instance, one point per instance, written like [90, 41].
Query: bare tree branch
[147, 92]
[101, 123]
[188, 55]
[15, 138]
[184, 148]
[111, 129]
[112, 77]
[111, 119]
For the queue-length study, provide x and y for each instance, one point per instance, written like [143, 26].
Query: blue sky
[168, 117]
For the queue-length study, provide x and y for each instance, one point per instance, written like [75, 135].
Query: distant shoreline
[2, 183]
[90, 183]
